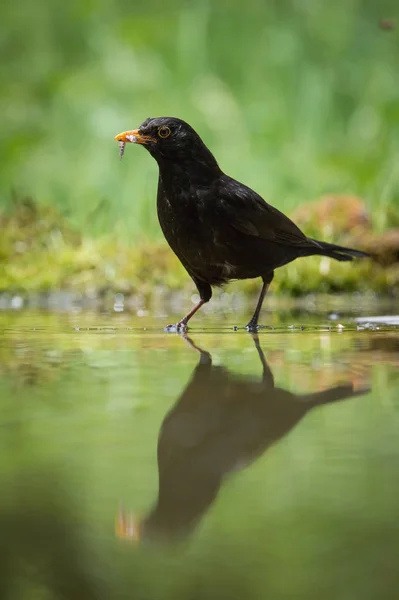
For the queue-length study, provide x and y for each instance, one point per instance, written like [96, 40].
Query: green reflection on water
[257, 495]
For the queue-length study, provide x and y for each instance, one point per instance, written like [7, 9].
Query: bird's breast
[182, 219]
[211, 253]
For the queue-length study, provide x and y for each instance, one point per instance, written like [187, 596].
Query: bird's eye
[164, 132]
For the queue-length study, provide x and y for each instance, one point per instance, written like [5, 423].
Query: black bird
[219, 228]
[221, 423]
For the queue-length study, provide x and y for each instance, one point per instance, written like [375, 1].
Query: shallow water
[139, 464]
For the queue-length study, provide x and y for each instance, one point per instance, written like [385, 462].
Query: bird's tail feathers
[338, 252]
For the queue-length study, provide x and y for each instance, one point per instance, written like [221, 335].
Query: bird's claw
[252, 328]
[179, 327]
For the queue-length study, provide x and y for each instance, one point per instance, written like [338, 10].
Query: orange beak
[135, 137]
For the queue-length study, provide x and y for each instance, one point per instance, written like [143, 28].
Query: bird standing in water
[219, 228]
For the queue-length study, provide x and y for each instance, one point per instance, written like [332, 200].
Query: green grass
[295, 99]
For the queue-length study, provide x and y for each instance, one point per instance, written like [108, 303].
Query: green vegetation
[296, 99]
[39, 252]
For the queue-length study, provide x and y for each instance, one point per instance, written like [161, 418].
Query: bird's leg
[182, 324]
[205, 292]
[253, 324]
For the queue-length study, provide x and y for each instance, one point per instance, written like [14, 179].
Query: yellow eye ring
[164, 132]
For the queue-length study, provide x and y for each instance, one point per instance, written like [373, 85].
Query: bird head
[169, 138]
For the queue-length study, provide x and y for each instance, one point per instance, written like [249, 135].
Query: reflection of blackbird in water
[221, 423]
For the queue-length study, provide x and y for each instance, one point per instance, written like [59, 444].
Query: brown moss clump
[333, 217]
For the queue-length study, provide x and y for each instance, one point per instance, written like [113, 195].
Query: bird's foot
[252, 327]
[180, 327]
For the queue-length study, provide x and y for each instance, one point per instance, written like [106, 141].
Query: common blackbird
[219, 228]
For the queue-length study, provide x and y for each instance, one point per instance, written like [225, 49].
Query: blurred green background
[297, 99]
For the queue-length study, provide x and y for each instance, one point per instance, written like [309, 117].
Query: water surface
[139, 464]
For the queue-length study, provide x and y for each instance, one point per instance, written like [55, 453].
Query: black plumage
[219, 228]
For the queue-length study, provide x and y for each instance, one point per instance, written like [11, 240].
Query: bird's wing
[244, 210]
